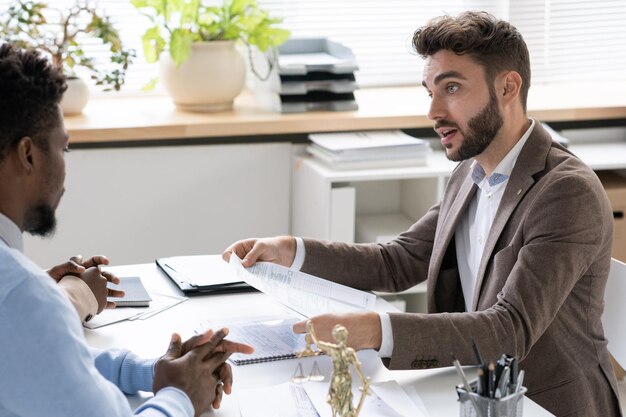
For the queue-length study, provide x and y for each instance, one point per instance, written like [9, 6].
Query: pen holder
[474, 405]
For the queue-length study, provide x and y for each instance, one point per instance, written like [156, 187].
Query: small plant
[31, 24]
[179, 23]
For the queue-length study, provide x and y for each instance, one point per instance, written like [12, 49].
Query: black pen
[491, 379]
[479, 357]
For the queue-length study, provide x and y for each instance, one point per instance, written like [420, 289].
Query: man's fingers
[225, 373]
[78, 259]
[175, 347]
[112, 278]
[219, 393]
[68, 268]
[207, 348]
[234, 347]
[300, 327]
[253, 254]
[197, 340]
[96, 260]
[116, 293]
[110, 305]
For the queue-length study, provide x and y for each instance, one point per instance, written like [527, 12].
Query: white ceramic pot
[75, 97]
[209, 80]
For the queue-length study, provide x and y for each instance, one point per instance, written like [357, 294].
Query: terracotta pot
[209, 80]
[75, 97]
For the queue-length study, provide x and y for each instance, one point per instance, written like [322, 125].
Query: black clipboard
[190, 289]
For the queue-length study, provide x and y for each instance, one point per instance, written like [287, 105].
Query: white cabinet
[378, 202]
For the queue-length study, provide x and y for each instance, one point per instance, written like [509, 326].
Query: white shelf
[381, 228]
[601, 156]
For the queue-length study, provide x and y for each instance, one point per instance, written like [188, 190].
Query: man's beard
[481, 131]
[40, 221]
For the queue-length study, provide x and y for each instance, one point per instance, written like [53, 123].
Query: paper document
[273, 338]
[386, 399]
[284, 400]
[201, 270]
[303, 293]
[160, 302]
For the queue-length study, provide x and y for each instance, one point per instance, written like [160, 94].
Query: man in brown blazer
[517, 253]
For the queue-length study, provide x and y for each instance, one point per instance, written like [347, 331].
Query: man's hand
[197, 372]
[364, 331]
[280, 250]
[225, 372]
[89, 271]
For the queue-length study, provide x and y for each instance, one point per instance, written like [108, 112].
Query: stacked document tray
[365, 150]
[312, 74]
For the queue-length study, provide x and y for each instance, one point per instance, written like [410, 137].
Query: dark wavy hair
[30, 90]
[495, 44]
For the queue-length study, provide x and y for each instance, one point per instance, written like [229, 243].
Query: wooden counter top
[155, 117]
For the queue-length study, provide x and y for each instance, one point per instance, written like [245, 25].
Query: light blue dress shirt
[46, 367]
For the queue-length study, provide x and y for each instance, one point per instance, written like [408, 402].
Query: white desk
[150, 338]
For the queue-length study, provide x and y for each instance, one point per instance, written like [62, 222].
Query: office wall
[135, 204]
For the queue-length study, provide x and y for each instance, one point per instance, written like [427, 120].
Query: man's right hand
[97, 282]
[280, 250]
[197, 372]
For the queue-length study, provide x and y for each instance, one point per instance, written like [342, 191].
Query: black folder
[216, 279]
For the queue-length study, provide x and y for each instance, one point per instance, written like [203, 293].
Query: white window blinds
[573, 40]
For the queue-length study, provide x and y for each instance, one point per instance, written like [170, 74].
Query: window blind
[569, 40]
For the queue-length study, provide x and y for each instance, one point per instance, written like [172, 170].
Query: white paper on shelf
[358, 141]
[303, 293]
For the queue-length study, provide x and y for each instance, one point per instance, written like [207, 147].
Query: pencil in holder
[474, 405]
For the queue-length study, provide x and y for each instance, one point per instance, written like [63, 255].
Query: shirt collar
[11, 234]
[505, 167]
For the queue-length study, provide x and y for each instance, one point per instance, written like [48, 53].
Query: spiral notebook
[273, 338]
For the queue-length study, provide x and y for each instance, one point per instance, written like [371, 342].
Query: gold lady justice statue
[340, 391]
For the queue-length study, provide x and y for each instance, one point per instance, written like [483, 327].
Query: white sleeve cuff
[386, 345]
[298, 260]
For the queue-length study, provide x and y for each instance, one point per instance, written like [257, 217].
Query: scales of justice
[340, 391]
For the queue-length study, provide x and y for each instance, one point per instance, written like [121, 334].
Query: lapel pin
[519, 191]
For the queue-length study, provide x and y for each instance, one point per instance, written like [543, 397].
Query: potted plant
[33, 24]
[203, 70]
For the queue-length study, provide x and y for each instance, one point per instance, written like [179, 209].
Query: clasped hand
[89, 271]
[198, 368]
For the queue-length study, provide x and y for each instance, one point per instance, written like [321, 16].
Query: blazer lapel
[530, 161]
[448, 225]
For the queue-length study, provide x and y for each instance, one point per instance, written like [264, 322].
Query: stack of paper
[374, 149]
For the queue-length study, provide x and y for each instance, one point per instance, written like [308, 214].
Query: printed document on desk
[306, 294]
[387, 399]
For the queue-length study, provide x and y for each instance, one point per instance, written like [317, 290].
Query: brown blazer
[540, 288]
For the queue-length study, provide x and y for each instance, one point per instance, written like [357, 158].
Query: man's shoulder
[18, 271]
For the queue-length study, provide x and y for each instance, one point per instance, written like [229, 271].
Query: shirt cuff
[80, 295]
[169, 401]
[386, 345]
[298, 260]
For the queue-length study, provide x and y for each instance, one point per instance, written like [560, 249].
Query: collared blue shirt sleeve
[47, 368]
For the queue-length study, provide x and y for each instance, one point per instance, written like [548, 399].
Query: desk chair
[614, 314]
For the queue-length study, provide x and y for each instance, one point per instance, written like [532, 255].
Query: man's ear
[25, 154]
[511, 86]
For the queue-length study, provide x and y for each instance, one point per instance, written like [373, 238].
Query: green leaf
[153, 44]
[180, 45]
[150, 84]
